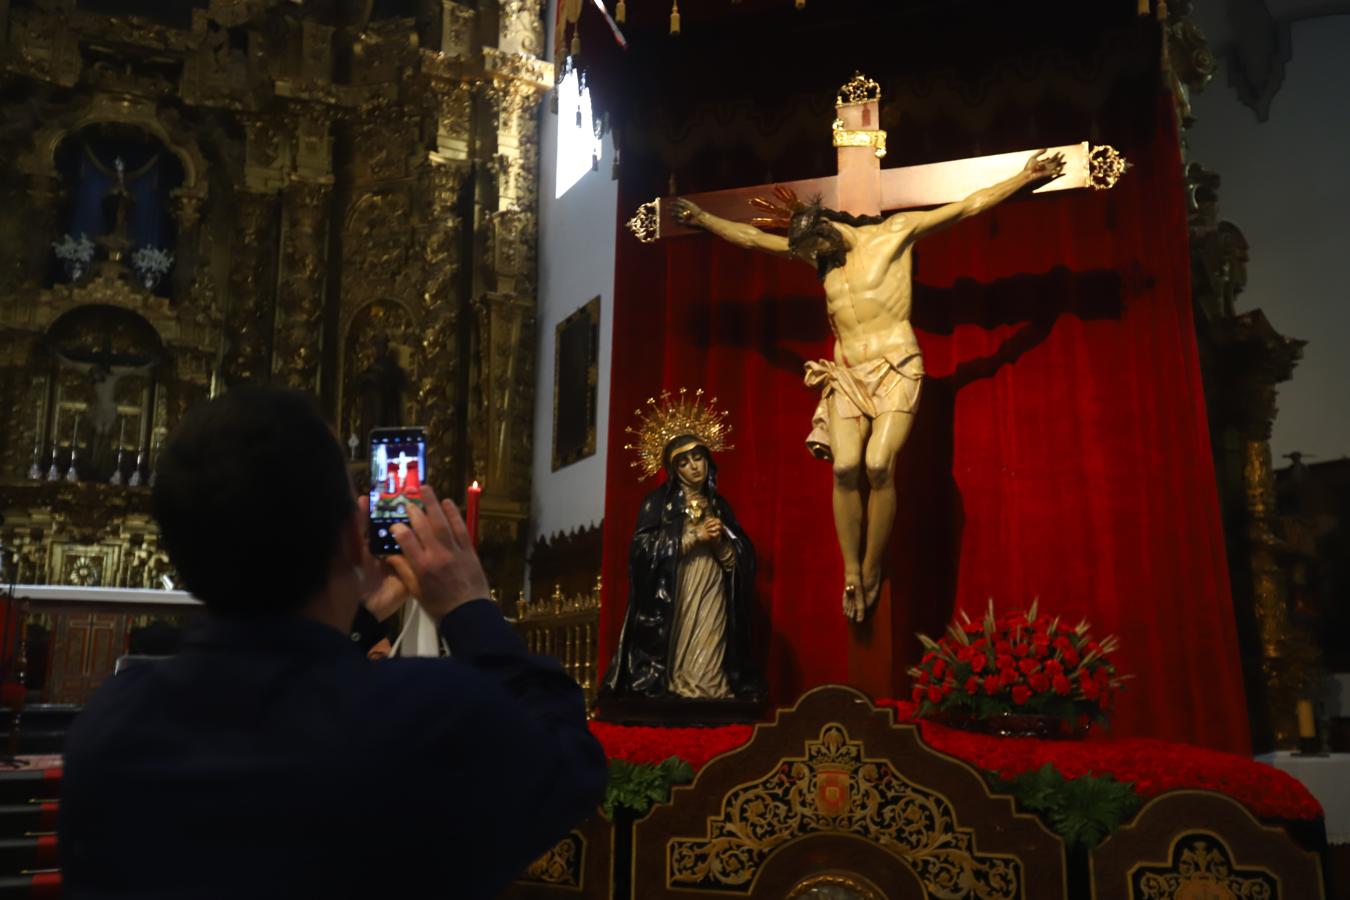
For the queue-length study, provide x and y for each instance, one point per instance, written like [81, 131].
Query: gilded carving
[1202, 867]
[834, 788]
[503, 405]
[1218, 248]
[457, 23]
[521, 27]
[376, 241]
[381, 356]
[282, 164]
[1187, 57]
[438, 397]
[300, 285]
[145, 564]
[252, 284]
[453, 112]
[561, 866]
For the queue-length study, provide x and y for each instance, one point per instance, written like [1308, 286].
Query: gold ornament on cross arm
[646, 222]
[670, 416]
[1105, 166]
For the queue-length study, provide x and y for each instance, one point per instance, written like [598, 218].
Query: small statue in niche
[380, 388]
[691, 569]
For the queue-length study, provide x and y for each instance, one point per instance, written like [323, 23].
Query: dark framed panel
[833, 798]
[1202, 844]
[576, 376]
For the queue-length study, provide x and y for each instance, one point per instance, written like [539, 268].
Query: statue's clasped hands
[710, 529]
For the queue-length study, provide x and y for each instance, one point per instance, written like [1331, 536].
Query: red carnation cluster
[651, 745]
[1152, 766]
[1020, 663]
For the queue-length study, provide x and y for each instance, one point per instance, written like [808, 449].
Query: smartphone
[398, 469]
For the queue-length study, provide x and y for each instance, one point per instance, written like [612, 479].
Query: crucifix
[402, 460]
[870, 388]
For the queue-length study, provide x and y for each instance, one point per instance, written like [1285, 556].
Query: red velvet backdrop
[1060, 449]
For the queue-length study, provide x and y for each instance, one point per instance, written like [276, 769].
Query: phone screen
[398, 468]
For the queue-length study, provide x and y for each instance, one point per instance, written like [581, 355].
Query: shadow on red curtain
[1060, 450]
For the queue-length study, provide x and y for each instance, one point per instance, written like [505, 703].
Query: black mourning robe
[641, 662]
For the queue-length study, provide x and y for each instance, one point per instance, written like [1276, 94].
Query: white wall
[576, 263]
[1286, 184]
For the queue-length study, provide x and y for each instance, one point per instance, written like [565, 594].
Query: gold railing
[568, 629]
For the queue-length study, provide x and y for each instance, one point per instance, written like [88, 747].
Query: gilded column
[1289, 656]
[502, 412]
[298, 347]
[45, 197]
[439, 395]
[252, 288]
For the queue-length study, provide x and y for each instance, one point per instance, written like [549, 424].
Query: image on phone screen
[398, 469]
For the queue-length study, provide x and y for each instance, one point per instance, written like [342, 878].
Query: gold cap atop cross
[859, 91]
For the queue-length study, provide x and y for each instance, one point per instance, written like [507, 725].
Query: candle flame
[476, 486]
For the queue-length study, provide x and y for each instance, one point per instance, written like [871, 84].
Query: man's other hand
[386, 589]
[438, 556]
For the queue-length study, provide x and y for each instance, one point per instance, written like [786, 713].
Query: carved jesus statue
[870, 390]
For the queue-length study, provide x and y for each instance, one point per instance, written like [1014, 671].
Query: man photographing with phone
[270, 758]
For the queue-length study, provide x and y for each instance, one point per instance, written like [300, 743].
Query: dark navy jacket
[273, 759]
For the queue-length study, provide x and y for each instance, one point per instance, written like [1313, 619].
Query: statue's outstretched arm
[72, 363]
[740, 234]
[119, 371]
[924, 222]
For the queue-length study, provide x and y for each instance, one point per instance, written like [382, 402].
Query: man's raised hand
[439, 554]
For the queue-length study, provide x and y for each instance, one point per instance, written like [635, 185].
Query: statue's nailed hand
[686, 213]
[1042, 167]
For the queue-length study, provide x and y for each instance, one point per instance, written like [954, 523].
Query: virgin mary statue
[691, 569]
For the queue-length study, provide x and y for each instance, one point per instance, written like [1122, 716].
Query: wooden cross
[862, 187]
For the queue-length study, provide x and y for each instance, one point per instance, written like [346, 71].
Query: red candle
[471, 519]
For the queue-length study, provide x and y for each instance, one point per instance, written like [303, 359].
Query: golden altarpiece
[335, 196]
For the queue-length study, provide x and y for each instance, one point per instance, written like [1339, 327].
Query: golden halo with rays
[667, 417]
[780, 212]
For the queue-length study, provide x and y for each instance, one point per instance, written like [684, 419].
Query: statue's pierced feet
[853, 598]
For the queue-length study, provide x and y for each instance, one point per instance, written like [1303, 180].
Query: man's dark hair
[811, 220]
[251, 492]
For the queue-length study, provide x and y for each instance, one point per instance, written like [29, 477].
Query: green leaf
[636, 786]
[1082, 810]
[1090, 808]
[1038, 790]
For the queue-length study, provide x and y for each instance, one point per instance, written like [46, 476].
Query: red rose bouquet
[1017, 664]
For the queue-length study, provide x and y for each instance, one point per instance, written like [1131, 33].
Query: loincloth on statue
[886, 384]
